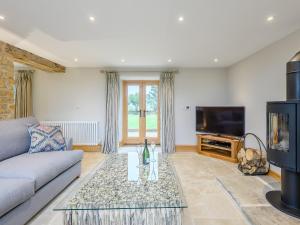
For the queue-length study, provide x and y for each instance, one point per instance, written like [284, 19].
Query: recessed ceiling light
[92, 19]
[169, 60]
[2, 17]
[270, 18]
[216, 60]
[180, 18]
[122, 60]
[75, 60]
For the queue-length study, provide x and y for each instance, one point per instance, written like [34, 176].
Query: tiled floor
[216, 192]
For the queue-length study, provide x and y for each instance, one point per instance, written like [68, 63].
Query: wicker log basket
[253, 161]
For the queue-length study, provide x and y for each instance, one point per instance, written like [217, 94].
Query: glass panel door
[152, 113]
[140, 112]
[132, 109]
[279, 131]
[133, 115]
[281, 134]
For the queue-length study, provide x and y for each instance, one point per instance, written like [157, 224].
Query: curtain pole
[140, 71]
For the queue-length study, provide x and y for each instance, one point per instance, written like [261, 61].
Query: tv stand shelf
[220, 147]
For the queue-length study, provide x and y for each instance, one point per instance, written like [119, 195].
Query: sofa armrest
[69, 143]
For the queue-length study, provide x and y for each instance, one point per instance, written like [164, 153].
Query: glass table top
[122, 182]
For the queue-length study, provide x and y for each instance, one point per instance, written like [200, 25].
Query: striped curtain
[23, 88]
[166, 90]
[111, 135]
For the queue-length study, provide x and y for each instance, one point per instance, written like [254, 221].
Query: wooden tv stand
[220, 147]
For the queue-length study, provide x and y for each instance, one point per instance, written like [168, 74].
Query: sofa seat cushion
[40, 167]
[14, 192]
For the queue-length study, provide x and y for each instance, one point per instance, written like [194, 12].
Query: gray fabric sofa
[29, 181]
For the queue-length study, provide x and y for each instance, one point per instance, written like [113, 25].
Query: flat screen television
[221, 120]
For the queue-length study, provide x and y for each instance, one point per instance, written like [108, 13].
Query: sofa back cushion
[46, 139]
[14, 137]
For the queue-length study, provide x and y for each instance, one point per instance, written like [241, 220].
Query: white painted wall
[196, 87]
[261, 78]
[79, 94]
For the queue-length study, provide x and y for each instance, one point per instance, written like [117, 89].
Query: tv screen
[221, 120]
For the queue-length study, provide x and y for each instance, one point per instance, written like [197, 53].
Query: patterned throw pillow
[46, 139]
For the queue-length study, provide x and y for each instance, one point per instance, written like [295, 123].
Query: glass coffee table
[122, 191]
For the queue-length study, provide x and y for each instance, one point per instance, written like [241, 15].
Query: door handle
[142, 113]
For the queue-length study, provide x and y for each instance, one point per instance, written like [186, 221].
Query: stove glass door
[281, 134]
[279, 131]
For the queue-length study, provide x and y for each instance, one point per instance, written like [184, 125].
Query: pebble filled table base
[163, 216]
[122, 192]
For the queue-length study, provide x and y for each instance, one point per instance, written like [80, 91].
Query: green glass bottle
[146, 154]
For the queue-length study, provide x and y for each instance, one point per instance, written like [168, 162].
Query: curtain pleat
[23, 87]
[111, 133]
[167, 112]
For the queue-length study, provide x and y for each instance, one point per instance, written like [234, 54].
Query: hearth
[283, 142]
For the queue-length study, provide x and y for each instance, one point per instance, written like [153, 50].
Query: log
[252, 170]
[241, 154]
[252, 154]
[244, 161]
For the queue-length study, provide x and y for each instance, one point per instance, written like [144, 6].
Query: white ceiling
[146, 33]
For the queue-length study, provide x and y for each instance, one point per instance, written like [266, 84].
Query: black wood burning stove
[283, 142]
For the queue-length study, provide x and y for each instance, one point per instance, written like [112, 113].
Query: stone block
[7, 101]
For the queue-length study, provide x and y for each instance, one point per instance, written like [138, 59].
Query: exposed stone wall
[7, 100]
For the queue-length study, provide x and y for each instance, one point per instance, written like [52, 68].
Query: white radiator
[82, 132]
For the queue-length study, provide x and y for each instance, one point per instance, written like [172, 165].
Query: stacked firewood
[253, 161]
